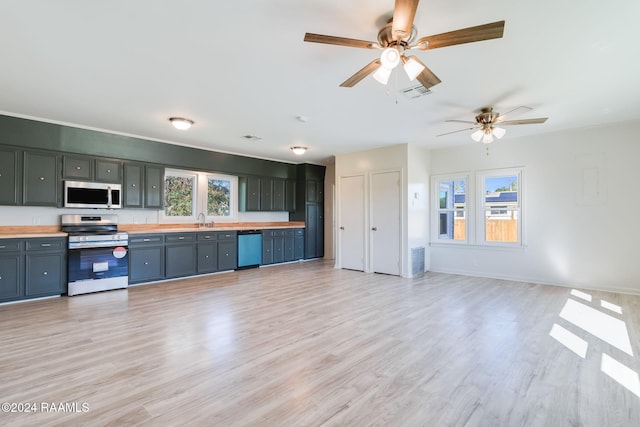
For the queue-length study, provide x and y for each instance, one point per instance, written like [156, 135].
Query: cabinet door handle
[3, 247]
[181, 238]
[42, 178]
[146, 263]
[206, 256]
[45, 273]
[207, 237]
[133, 185]
[45, 245]
[78, 168]
[153, 186]
[108, 170]
[146, 240]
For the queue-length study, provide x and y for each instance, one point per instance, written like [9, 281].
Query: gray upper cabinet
[278, 203]
[76, 167]
[40, 179]
[132, 186]
[9, 176]
[154, 185]
[266, 194]
[108, 170]
[143, 186]
[84, 168]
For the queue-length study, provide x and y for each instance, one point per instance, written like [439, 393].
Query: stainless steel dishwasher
[249, 248]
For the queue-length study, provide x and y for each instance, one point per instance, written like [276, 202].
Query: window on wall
[452, 209]
[493, 216]
[501, 206]
[188, 195]
[180, 195]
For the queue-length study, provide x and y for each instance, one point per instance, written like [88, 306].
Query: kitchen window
[190, 195]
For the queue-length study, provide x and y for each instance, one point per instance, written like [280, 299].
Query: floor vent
[417, 261]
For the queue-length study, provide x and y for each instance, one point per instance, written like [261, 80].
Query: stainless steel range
[98, 253]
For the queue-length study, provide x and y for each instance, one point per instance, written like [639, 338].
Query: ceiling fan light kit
[486, 124]
[398, 36]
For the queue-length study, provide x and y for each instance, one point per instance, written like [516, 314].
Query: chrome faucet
[204, 219]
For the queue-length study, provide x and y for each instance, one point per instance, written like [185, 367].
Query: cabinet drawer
[273, 233]
[145, 239]
[207, 236]
[10, 245]
[180, 237]
[226, 235]
[46, 244]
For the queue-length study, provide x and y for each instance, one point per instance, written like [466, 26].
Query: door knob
[341, 228]
[374, 228]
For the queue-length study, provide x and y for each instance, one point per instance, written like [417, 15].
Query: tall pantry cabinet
[310, 207]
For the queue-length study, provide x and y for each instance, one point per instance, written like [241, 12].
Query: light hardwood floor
[307, 344]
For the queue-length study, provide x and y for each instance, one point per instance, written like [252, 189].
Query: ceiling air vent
[415, 91]
[251, 138]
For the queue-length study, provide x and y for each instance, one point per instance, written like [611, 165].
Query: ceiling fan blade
[426, 77]
[456, 131]
[364, 72]
[404, 13]
[490, 31]
[515, 112]
[340, 41]
[522, 122]
[461, 121]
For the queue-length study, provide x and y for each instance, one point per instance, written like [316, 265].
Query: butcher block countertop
[35, 231]
[182, 228]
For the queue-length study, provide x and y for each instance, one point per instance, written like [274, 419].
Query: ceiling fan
[487, 122]
[398, 36]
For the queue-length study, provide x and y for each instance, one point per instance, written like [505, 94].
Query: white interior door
[351, 225]
[385, 223]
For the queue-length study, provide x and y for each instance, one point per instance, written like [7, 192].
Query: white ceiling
[242, 68]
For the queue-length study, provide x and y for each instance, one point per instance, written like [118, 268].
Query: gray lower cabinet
[282, 245]
[32, 268]
[207, 244]
[180, 254]
[164, 256]
[227, 250]
[40, 179]
[146, 258]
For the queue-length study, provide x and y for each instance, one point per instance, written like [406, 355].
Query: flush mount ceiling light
[298, 150]
[181, 123]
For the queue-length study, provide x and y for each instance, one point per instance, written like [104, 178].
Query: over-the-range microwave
[96, 195]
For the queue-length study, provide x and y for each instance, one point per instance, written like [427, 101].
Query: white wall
[580, 209]
[363, 163]
[418, 162]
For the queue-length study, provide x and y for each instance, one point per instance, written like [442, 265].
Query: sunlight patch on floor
[569, 340]
[622, 374]
[580, 294]
[610, 306]
[598, 324]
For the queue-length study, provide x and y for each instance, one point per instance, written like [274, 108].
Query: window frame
[437, 181]
[194, 202]
[484, 207]
[200, 202]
